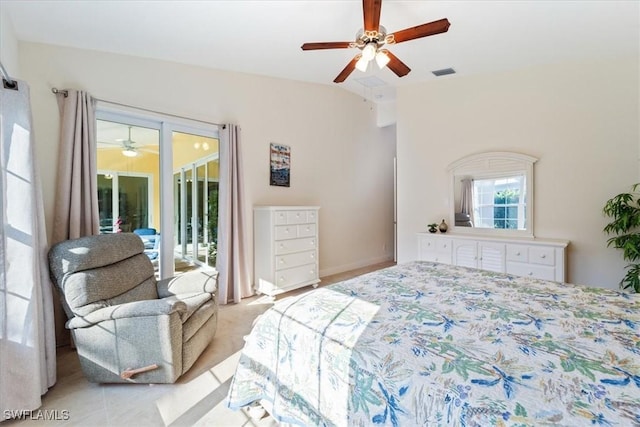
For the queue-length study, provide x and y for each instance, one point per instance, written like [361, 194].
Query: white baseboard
[355, 265]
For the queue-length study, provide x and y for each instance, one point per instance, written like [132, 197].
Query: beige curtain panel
[76, 209]
[234, 280]
[27, 341]
[466, 197]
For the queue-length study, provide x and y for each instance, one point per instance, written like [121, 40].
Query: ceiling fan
[127, 145]
[128, 149]
[373, 37]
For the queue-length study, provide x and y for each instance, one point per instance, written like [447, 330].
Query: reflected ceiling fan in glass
[130, 152]
[145, 142]
[128, 148]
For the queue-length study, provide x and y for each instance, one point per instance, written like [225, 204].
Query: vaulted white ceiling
[264, 37]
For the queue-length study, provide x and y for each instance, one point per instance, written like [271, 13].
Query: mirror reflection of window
[492, 194]
[464, 218]
[500, 203]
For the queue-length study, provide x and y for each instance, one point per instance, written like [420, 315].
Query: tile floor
[197, 399]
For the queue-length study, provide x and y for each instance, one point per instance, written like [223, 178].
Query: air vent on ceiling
[443, 72]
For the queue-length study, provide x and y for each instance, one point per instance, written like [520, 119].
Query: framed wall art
[280, 175]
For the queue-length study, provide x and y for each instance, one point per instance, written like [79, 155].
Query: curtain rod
[8, 82]
[65, 93]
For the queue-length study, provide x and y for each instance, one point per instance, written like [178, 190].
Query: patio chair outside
[151, 239]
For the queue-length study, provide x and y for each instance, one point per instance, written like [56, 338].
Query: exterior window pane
[128, 162]
[105, 202]
[133, 195]
[196, 158]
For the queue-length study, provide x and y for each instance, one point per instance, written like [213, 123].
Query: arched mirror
[492, 193]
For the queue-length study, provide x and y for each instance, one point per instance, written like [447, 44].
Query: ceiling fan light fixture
[382, 59]
[369, 51]
[129, 152]
[362, 64]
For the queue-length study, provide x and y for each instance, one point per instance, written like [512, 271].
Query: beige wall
[581, 120]
[340, 161]
[8, 46]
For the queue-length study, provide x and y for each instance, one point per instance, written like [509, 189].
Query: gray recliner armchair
[122, 320]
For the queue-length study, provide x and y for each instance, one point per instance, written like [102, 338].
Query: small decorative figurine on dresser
[433, 227]
[443, 227]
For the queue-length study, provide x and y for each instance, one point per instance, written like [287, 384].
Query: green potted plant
[625, 228]
[433, 227]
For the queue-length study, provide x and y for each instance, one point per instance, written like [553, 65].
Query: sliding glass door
[138, 154]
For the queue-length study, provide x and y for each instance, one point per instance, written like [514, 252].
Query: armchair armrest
[193, 282]
[154, 307]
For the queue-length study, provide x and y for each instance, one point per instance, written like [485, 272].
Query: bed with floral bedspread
[432, 344]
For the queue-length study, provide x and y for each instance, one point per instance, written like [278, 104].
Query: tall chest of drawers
[285, 244]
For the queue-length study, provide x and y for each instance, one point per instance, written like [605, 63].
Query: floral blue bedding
[432, 344]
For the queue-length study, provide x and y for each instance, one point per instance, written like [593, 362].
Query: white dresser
[539, 258]
[285, 244]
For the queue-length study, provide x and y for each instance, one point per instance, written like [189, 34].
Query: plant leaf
[624, 209]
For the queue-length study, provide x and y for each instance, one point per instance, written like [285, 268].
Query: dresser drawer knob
[531, 273]
[281, 279]
[518, 253]
[281, 261]
[543, 256]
